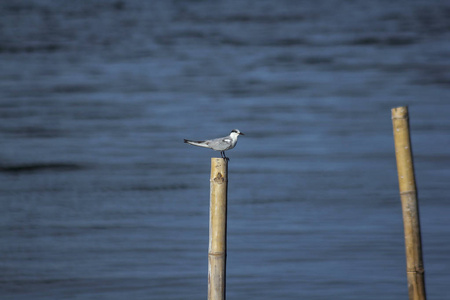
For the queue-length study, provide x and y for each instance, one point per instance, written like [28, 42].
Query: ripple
[40, 167]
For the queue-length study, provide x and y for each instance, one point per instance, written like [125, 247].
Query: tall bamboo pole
[408, 195]
[217, 250]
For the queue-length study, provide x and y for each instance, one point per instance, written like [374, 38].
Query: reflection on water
[101, 199]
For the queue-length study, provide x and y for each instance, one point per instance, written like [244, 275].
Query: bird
[219, 144]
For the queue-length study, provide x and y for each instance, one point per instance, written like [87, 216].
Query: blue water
[100, 198]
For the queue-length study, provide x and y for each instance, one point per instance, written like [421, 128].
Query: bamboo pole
[408, 195]
[217, 252]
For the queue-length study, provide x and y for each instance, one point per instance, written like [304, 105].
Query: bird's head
[236, 132]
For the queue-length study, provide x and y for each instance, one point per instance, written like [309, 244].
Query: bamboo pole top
[400, 112]
[218, 161]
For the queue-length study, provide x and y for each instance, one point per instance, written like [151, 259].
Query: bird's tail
[197, 143]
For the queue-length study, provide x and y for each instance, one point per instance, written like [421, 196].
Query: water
[101, 199]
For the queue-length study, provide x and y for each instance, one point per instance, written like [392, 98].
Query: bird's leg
[222, 154]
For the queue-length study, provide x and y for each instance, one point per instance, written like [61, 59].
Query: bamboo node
[410, 192]
[217, 254]
[416, 270]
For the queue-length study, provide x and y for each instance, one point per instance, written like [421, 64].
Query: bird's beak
[240, 133]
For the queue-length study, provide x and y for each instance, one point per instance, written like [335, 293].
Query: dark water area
[101, 199]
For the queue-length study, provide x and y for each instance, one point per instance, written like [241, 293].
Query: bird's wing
[220, 144]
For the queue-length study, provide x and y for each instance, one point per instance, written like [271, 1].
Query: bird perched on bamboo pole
[219, 144]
